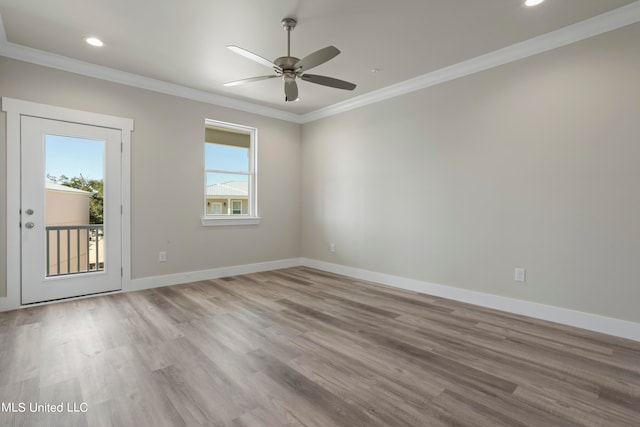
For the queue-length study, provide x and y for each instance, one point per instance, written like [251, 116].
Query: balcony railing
[75, 249]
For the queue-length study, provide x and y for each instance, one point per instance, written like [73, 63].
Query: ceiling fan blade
[328, 81]
[316, 58]
[256, 58]
[249, 80]
[290, 90]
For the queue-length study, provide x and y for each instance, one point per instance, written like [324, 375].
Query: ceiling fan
[289, 67]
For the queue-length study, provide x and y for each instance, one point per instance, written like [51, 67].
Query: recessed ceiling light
[530, 3]
[94, 41]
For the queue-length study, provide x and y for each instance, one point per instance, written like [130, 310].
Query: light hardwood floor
[300, 347]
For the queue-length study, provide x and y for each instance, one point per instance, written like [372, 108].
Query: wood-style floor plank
[301, 347]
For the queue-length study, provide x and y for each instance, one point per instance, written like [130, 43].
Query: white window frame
[251, 218]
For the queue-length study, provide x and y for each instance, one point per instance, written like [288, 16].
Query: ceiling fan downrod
[289, 24]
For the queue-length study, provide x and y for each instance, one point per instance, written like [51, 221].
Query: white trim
[612, 20]
[3, 35]
[59, 62]
[211, 220]
[126, 207]
[579, 319]
[609, 21]
[12, 299]
[592, 322]
[180, 278]
[15, 108]
[34, 109]
[214, 273]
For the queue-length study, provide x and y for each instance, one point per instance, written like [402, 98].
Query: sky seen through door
[73, 157]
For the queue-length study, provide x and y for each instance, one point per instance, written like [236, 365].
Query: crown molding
[3, 34]
[609, 21]
[582, 30]
[39, 57]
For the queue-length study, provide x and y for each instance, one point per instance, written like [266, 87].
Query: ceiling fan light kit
[289, 67]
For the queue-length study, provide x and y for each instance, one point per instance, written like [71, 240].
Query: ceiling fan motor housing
[289, 24]
[287, 63]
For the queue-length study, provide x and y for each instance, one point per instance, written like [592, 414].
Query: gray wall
[167, 176]
[534, 164]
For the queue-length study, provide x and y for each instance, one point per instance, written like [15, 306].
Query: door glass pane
[74, 205]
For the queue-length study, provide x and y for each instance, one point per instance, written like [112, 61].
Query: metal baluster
[48, 252]
[78, 249]
[58, 250]
[68, 250]
[97, 249]
[98, 232]
[89, 231]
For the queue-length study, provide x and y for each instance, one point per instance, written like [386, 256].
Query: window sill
[213, 221]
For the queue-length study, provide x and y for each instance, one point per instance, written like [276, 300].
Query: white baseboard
[579, 319]
[214, 273]
[12, 302]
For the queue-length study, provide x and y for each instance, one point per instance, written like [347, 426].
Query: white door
[71, 229]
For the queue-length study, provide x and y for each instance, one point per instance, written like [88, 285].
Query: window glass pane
[226, 157]
[227, 194]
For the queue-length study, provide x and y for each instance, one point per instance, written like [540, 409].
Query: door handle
[29, 225]
[29, 211]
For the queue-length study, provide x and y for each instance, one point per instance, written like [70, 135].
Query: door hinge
[121, 271]
[122, 147]
[121, 209]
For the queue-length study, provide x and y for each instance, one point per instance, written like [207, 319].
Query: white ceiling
[183, 42]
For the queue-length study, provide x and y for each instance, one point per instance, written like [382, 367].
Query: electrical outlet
[162, 256]
[332, 247]
[520, 274]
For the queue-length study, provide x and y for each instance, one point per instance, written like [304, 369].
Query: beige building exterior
[228, 198]
[66, 205]
[65, 209]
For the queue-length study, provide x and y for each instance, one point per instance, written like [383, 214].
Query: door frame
[15, 109]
